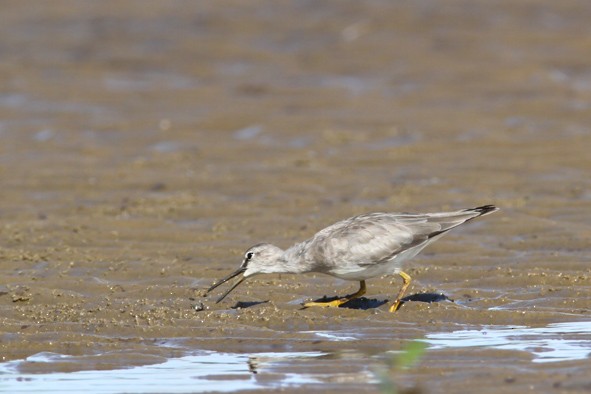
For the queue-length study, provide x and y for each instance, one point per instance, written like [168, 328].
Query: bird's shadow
[364, 303]
[427, 297]
[361, 303]
[247, 304]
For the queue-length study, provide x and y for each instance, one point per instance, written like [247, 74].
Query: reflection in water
[556, 342]
[209, 371]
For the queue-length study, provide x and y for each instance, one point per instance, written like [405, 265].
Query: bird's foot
[330, 304]
[395, 306]
[339, 301]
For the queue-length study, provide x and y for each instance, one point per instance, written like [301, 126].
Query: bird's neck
[294, 259]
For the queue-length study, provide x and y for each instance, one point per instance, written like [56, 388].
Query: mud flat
[145, 145]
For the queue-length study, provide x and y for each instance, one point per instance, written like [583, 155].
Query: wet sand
[145, 145]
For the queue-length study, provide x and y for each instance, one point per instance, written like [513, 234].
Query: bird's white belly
[356, 272]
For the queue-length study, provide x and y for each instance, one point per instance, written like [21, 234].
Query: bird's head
[258, 259]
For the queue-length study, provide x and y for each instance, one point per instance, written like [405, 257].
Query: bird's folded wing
[371, 239]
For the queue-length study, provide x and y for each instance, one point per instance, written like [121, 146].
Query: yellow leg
[340, 301]
[405, 284]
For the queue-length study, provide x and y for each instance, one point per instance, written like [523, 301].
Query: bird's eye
[249, 255]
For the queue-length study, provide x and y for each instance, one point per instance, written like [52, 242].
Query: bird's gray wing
[369, 239]
[373, 238]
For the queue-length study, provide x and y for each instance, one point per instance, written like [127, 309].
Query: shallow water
[210, 371]
[145, 145]
[207, 372]
[556, 342]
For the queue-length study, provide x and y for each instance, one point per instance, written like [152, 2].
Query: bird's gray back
[374, 238]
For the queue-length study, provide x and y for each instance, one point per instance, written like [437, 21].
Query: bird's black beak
[227, 278]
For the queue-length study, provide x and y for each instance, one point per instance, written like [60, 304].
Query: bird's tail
[449, 220]
[483, 210]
